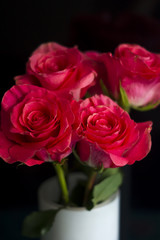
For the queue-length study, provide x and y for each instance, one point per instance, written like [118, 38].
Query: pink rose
[58, 68]
[110, 138]
[135, 68]
[36, 125]
[140, 74]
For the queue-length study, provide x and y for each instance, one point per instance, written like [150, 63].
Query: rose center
[37, 118]
[52, 63]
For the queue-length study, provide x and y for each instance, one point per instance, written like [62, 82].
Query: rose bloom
[110, 138]
[36, 125]
[141, 74]
[137, 69]
[58, 68]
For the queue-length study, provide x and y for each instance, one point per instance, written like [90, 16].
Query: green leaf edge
[103, 87]
[107, 181]
[147, 107]
[31, 230]
[123, 99]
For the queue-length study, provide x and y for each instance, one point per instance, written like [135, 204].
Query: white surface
[101, 223]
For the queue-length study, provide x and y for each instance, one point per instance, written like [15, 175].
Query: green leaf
[103, 87]
[123, 99]
[38, 223]
[108, 172]
[147, 107]
[106, 188]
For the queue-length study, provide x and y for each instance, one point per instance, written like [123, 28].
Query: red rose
[36, 125]
[109, 137]
[58, 68]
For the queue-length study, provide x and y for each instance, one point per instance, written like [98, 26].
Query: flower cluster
[46, 113]
[70, 101]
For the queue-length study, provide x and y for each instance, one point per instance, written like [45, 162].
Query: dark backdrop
[92, 25]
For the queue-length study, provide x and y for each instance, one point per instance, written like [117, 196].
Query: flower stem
[89, 186]
[62, 182]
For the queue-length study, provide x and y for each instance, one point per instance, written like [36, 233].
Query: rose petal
[142, 148]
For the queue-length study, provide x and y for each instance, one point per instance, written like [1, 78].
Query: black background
[92, 25]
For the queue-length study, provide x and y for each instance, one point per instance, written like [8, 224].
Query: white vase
[77, 223]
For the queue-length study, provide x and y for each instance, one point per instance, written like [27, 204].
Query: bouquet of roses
[77, 103]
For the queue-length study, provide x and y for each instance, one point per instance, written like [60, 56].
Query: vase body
[77, 223]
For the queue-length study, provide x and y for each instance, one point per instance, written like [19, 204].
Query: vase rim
[55, 205]
[99, 205]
